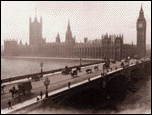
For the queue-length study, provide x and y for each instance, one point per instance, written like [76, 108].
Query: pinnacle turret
[58, 38]
[141, 10]
[68, 33]
[35, 19]
[141, 13]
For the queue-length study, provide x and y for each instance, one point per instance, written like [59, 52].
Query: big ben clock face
[140, 25]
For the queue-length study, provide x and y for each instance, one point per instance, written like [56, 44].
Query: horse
[89, 70]
[96, 68]
[2, 88]
[14, 92]
[122, 64]
[79, 68]
[74, 72]
[106, 66]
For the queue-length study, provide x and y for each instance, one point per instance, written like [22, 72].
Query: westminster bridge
[115, 78]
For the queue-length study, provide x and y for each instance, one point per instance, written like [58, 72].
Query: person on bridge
[2, 88]
[13, 88]
[41, 94]
[9, 104]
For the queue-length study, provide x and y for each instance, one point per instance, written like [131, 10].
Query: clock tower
[141, 34]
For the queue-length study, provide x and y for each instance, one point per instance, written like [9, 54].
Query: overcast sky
[90, 19]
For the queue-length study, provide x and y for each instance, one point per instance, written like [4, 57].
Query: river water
[12, 67]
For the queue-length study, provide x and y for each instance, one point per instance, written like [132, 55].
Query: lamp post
[41, 64]
[46, 83]
[128, 60]
[80, 59]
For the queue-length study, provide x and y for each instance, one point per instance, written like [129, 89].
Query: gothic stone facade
[109, 47]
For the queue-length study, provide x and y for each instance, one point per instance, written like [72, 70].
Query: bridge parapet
[129, 73]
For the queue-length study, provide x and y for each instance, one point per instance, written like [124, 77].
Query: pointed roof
[69, 29]
[35, 19]
[58, 38]
[68, 22]
[141, 14]
[141, 10]
[21, 42]
[58, 35]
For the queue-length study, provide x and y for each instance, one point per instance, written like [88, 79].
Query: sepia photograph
[75, 57]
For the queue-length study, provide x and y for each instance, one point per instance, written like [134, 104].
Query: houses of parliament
[108, 47]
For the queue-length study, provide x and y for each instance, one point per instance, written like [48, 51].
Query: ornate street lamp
[128, 60]
[46, 83]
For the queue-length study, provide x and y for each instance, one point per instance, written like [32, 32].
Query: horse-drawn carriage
[79, 68]
[74, 72]
[106, 65]
[37, 77]
[89, 71]
[96, 68]
[66, 70]
[113, 61]
[24, 87]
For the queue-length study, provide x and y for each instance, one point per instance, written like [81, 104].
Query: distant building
[141, 34]
[35, 32]
[108, 47]
[10, 47]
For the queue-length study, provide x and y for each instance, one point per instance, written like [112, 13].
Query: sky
[90, 19]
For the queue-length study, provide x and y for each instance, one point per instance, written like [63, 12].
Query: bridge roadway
[58, 82]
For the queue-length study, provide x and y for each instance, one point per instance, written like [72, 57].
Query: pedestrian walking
[41, 94]
[2, 88]
[38, 97]
[9, 104]
[13, 88]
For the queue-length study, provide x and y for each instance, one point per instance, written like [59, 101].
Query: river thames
[12, 67]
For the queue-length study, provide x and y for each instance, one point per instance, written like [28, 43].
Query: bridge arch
[117, 85]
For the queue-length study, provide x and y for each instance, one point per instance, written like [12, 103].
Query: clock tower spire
[141, 34]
